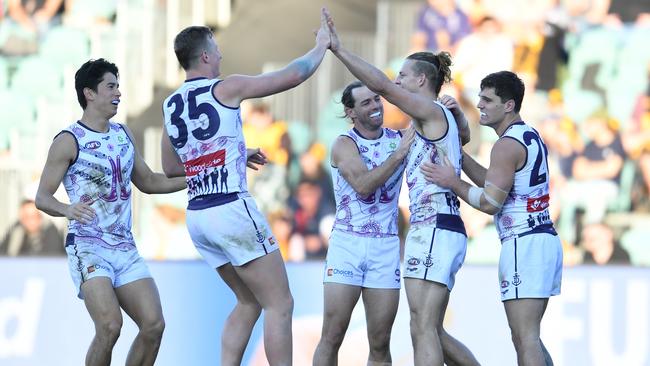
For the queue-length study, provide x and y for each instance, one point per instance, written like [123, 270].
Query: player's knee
[109, 329]
[379, 345]
[286, 305]
[522, 338]
[334, 336]
[153, 329]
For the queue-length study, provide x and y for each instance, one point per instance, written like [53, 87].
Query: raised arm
[235, 88]
[413, 104]
[62, 153]
[459, 116]
[149, 182]
[345, 157]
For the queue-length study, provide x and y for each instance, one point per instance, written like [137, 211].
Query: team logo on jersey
[537, 204]
[505, 284]
[92, 145]
[195, 166]
[260, 237]
[516, 280]
[428, 262]
[413, 261]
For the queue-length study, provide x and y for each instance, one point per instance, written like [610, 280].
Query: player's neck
[197, 73]
[501, 128]
[94, 121]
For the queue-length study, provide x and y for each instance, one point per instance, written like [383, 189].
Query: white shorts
[362, 261]
[436, 253]
[88, 260]
[530, 266]
[234, 232]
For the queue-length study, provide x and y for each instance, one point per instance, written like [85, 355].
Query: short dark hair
[434, 66]
[89, 75]
[507, 85]
[346, 98]
[190, 43]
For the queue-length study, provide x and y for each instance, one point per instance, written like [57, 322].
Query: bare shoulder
[64, 146]
[508, 149]
[342, 148]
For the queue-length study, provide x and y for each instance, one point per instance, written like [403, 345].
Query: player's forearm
[306, 65]
[159, 183]
[47, 203]
[475, 171]
[366, 184]
[368, 74]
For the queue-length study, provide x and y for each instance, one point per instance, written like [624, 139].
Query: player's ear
[510, 105]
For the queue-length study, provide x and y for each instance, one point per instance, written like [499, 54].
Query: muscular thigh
[141, 301]
[381, 308]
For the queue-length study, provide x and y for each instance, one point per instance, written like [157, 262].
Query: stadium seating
[635, 241]
[37, 77]
[65, 46]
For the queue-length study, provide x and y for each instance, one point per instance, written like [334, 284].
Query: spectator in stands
[637, 145]
[564, 144]
[309, 211]
[312, 169]
[601, 247]
[440, 26]
[485, 51]
[26, 23]
[596, 172]
[32, 235]
[268, 185]
[629, 12]
[553, 53]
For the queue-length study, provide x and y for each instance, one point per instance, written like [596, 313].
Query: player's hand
[255, 158]
[451, 103]
[335, 43]
[408, 136]
[454, 107]
[81, 212]
[323, 33]
[443, 175]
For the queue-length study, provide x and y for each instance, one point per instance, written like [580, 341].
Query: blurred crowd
[586, 65]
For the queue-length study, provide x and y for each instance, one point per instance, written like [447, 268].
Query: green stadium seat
[65, 46]
[624, 200]
[301, 136]
[635, 241]
[17, 113]
[4, 73]
[36, 77]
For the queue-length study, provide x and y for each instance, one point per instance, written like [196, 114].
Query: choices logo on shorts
[338, 272]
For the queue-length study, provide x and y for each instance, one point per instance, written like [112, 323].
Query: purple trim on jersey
[197, 78]
[217, 100]
[540, 229]
[450, 222]
[75, 141]
[90, 129]
[212, 200]
[367, 139]
[446, 120]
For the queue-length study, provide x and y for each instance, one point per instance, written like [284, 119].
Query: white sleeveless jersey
[208, 138]
[375, 215]
[526, 207]
[428, 199]
[101, 177]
